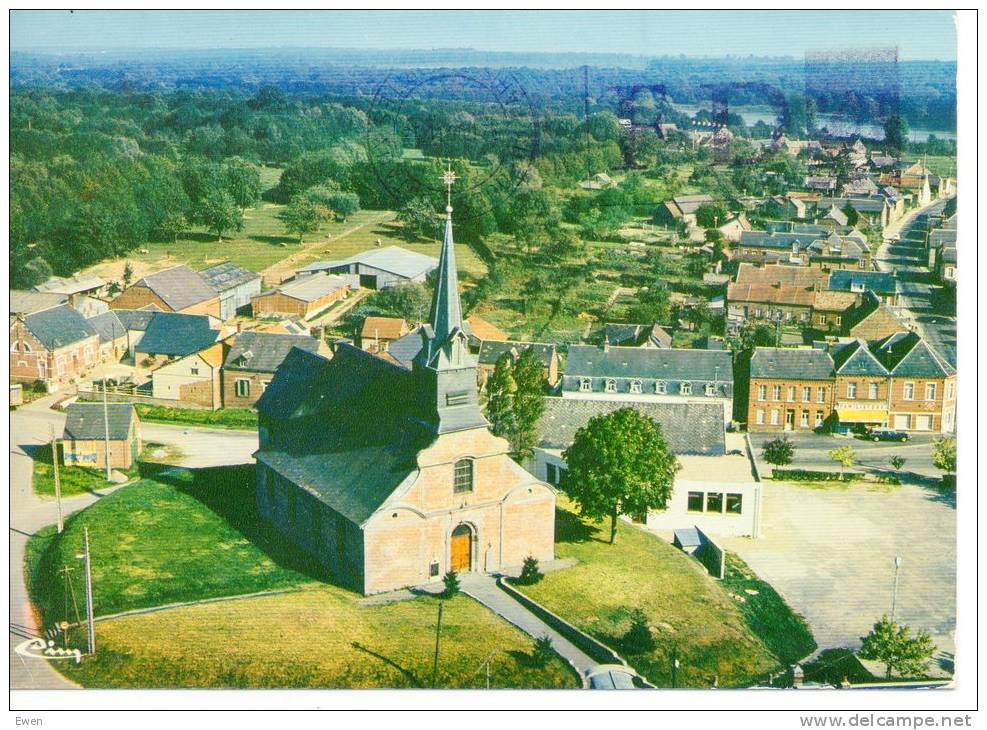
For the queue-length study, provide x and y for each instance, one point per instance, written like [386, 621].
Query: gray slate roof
[178, 287]
[637, 362]
[906, 354]
[405, 349]
[394, 259]
[491, 350]
[791, 363]
[634, 335]
[28, 302]
[854, 358]
[775, 239]
[689, 428]
[137, 320]
[265, 351]
[880, 282]
[227, 275]
[84, 421]
[108, 325]
[59, 326]
[177, 335]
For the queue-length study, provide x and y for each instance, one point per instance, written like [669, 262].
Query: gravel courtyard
[830, 552]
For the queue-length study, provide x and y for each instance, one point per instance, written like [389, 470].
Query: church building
[388, 473]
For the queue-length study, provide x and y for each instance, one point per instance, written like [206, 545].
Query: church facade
[388, 474]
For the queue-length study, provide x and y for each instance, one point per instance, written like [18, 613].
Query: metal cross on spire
[448, 178]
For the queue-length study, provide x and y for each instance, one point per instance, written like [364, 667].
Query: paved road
[830, 553]
[29, 427]
[908, 258]
[812, 452]
[484, 589]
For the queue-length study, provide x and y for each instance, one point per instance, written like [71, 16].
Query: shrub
[806, 475]
[451, 582]
[543, 651]
[638, 638]
[530, 573]
[779, 451]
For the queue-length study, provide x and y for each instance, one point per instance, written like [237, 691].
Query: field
[688, 611]
[184, 536]
[265, 246]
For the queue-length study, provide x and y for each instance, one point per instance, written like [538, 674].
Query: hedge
[805, 475]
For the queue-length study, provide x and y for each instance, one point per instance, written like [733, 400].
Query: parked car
[614, 676]
[886, 434]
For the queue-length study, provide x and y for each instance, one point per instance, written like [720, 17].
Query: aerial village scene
[481, 368]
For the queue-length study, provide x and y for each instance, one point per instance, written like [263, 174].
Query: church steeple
[445, 365]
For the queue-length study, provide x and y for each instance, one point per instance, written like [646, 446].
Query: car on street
[615, 676]
[886, 434]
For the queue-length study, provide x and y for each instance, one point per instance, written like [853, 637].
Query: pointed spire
[447, 313]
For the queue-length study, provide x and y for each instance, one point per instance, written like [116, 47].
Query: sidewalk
[484, 589]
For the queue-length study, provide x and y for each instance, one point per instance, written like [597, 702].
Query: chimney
[606, 343]
[239, 326]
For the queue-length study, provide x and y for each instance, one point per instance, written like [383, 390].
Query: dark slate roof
[350, 432]
[853, 358]
[634, 335]
[59, 326]
[85, 420]
[775, 239]
[791, 363]
[108, 325]
[637, 362]
[28, 302]
[227, 275]
[405, 349]
[179, 287]
[689, 428]
[135, 319]
[880, 282]
[906, 354]
[491, 350]
[870, 204]
[171, 333]
[265, 351]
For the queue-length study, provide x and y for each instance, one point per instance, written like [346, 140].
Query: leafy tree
[36, 271]
[173, 225]
[779, 451]
[654, 305]
[530, 572]
[418, 217]
[896, 133]
[852, 216]
[845, 456]
[451, 582]
[242, 181]
[501, 390]
[944, 454]
[638, 638]
[344, 204]
[619, 463]
[711, 215]
[220, 213]
[897, 462]
[302, 216]
[409, 301]
[529, 402]
[895, 646]
[128, 273]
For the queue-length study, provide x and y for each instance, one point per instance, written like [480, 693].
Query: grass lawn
[688, 610]
[242, 419]
[183, 535]
[74, 479]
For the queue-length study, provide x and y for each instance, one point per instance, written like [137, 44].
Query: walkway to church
[484, 589]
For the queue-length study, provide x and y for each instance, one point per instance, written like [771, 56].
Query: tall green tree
[501, 390]
[895, 646]
[302, 216]
[242, 181]
[619, 463]
[221, 214]
[529, 402]
[418, 218]
[896, 134]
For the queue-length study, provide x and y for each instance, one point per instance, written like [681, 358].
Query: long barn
[379, 268]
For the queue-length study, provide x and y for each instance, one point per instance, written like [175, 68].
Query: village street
[29, 427]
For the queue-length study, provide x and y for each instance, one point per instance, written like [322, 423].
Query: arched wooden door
[462, 549]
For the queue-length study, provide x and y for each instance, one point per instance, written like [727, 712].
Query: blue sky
[918, 34]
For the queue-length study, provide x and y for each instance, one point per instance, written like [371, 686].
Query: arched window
[462, 480]
[611, 386]
[635, 386]
[585, 384]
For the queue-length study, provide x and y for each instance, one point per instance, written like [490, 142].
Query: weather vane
[448, 178]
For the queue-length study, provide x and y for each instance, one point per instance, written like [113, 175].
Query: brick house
[922, 384]
[870, 319]
[790, 389]
[194, 379]
[178, 289]
[56, 346]
[882, 283]
[862, 386]
[251, 362]
[829, 308]
[389, 475]
[378, 333]
[303, 297]
[85, 435]
[113, 336]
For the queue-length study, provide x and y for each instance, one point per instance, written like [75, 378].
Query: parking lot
[830, 552]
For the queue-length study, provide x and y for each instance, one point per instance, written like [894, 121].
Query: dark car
[886, 434]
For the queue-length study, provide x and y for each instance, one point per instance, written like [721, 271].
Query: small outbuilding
[87, 428]
[303, 297]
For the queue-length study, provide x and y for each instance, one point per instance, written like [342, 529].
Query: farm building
[54, 345]
[303, 297]
[235, 285]
[170, 336]
[379, 268]
[135, 322]
[178, 289]
[87, 427]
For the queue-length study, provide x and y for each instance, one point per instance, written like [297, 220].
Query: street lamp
[894, 592]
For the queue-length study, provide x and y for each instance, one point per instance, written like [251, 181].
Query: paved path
[29, 427]
[484, 589]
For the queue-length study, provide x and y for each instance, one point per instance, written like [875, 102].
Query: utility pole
[90, 614]
[894, 592]
[58, 479]
[438, 629]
